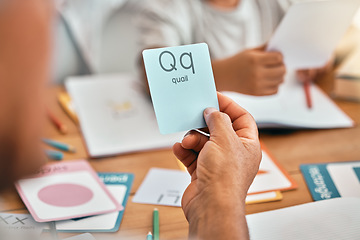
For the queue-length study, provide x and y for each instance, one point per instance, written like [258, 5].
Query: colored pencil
[156, 224]
[149, 236]
[261, 172]
[66, 103]
[54, 155]
[59, 145]
[59, 125]
[307, 94]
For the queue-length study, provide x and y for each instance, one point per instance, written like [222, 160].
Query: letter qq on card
[181, 84]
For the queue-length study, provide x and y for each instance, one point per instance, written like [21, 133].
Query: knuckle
[220, 117]
[253, 59]
[216, 115]
[257, 75]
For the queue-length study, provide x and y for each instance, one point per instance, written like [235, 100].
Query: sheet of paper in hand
[181, 84]
[309, 32]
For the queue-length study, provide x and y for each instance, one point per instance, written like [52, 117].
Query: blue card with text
[182, 86]
[332, 180]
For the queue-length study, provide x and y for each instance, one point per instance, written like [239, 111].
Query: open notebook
[328, 219]
[288, 109]
[116, 115]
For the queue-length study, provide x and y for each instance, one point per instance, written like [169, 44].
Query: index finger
[306, 75]
[243, 123]
[272, 58]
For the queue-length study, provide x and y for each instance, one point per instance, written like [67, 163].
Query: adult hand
[310, 75]
[222, 167]
[253, 71]
[25, 30]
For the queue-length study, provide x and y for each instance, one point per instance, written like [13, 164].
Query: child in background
[236, 32]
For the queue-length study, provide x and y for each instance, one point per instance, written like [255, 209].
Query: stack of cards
[166, 187]
[271, 176]
[64, 191]
[119, 185]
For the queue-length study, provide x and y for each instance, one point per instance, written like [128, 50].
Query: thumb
[218, 123]
[261, 47]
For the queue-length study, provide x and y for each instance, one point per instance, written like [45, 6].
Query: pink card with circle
[66, 190]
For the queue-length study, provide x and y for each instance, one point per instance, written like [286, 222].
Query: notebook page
[337, 218]
[116, 116]
[288, 108]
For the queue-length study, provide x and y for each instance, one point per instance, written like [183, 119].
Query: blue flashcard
[332, 180]
[182, 86]
[119, 185]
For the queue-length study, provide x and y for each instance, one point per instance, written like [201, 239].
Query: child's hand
[252, 71]
[310, 75]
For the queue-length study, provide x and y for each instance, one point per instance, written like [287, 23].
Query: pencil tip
[72, 149]
[63, 129]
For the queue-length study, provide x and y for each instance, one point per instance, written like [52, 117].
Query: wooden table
[290, 148]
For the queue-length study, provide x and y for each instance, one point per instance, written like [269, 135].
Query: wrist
[218, 216]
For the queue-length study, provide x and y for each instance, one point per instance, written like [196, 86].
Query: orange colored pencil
[261, 172]
[307, 94]
[59, 125]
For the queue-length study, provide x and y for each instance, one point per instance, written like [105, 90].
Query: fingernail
[210, 110]
[187, 134]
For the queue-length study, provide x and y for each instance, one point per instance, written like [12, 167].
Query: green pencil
[149, 236]
[156, 224]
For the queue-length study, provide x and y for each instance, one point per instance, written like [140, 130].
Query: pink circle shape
[65, 195]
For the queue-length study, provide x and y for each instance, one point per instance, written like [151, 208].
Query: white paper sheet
[346, 181]
[262, 197]
[166, 187]
[19, 226]
[116, 115]
[308, 34]
[85, 236]
[288, 108]
[328, 219]
[163, 187]
[273, 179]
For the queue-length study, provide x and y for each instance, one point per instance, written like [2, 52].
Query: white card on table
[271, 176]
[17, 226]
[85, 236]
[163, 187]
